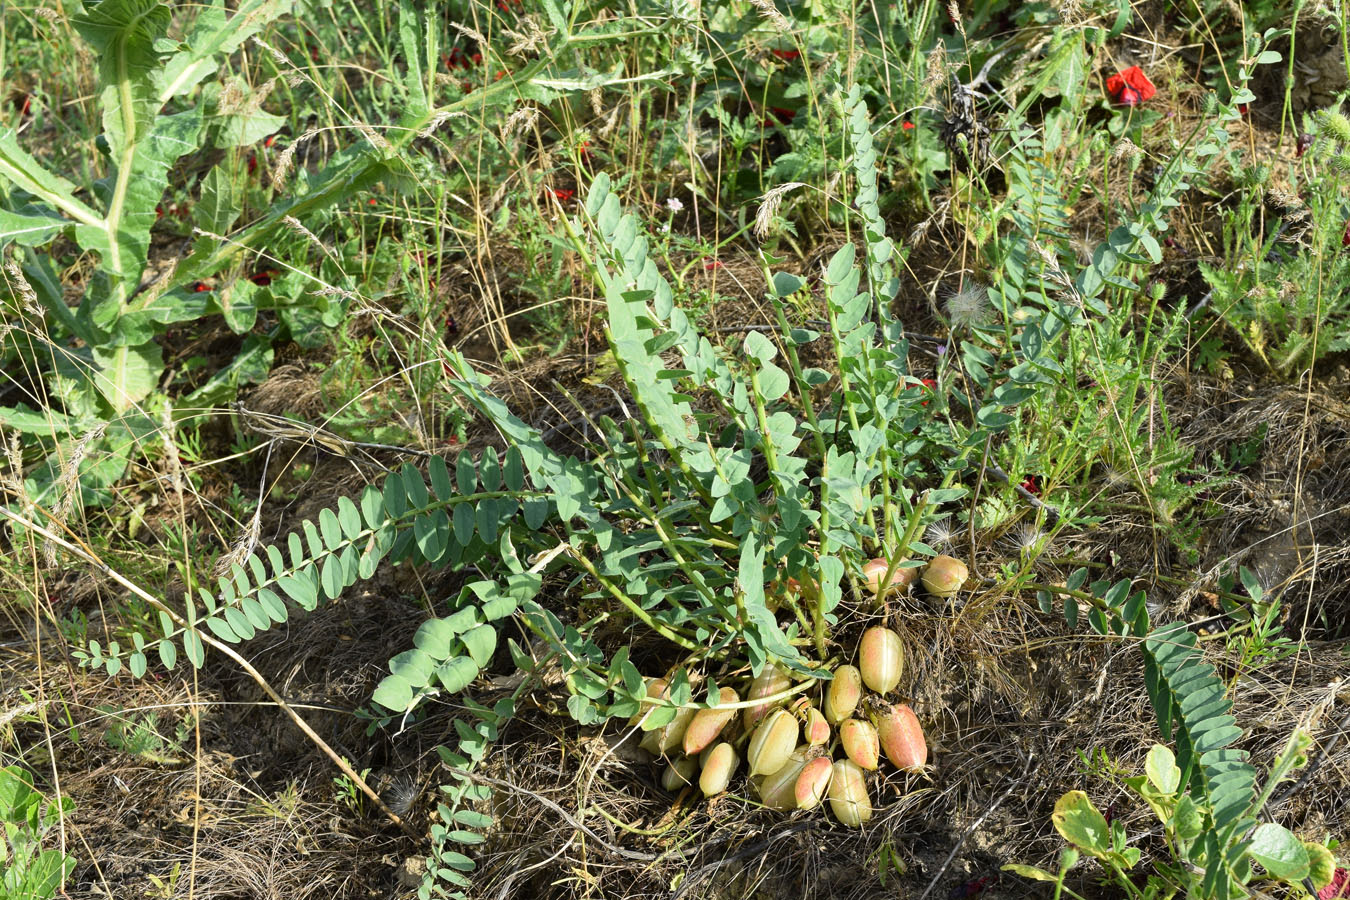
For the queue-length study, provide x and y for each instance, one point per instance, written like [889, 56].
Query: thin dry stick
[92, 558]
[1027, 772]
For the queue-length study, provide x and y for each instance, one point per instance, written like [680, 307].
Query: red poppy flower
[159, 210]
[1130, 87]
[584, 149]
[783, 115]
[713, 264]
[907, 126]
[1032, 486]
[786, 54]
[562, 195]
[370, 202]
[264, 277]
[271, 139]
[1339, 886]
[1345, 236]
[252, 163]
[1243, 108]
[929, 384]
[201, 287]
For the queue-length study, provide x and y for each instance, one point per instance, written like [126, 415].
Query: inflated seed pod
[779, 790]
[944, 576]
[815, 730]
[772, 743]
[880, 659]
[718, 768]
[680, 773]
[657, 689]
[874, 571]
[901, 737]
[772, 680]
[661, 741]
[707, 724]
[814, 782]
[860, 743]
[843, 694]
[848, 794]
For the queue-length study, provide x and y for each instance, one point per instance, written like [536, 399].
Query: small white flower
[673, 204]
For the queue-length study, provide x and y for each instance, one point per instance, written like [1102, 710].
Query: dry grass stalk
[287, 160]
[768, 207]
[28, 297]
[68, 485]
[769, 11]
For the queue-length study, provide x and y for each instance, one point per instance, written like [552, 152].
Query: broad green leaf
[1030, 872]
[349, 517]
[127, 375]
[222, 630]
[29, 230]
[239, 622]
[1280, 852]
[168, 653]
[480, 642]
[393, 693]
[1081, 824]
[194, 649]
[212, 34]
[456, 674]
[1161, 769]
[330, 577]
[414, 667]
[435, 637]
[330, 528]
[276, 609]
[441, 484]
[20, 169]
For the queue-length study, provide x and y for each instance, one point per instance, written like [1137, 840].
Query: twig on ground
[1027, 772]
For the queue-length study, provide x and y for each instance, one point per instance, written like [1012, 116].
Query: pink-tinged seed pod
[679, 774]
[718, 768]
[661, 741]
[772, 680]
[814, 782]
[874, 571]
[772, 743]
[815, 730]
[944, 576]
[843, 694]
[902, 738]
[657, 689]
[880, 659]
[708, 723]
[848, 794]
[860, 743]
[779, 790]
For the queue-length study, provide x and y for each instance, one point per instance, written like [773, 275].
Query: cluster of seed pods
[789, 750]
